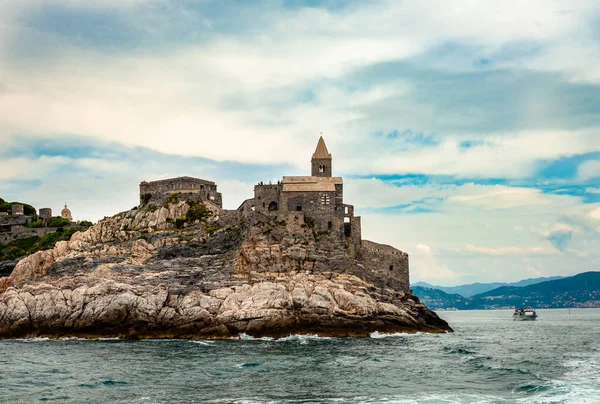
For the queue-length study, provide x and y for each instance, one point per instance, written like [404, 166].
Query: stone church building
[315, 202]
[319, 196]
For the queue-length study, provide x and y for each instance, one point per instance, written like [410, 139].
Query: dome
[66, 213]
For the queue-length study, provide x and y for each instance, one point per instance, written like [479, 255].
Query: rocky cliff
[179, 272]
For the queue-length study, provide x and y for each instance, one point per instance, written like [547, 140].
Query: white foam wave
[207, 343]
[377, 334]
[580, 385]
[295, 337]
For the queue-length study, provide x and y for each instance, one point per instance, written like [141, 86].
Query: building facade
[184, 187]
[319, 196]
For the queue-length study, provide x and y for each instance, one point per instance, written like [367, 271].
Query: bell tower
[321, 161]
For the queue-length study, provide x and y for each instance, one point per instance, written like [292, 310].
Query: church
[320, 198]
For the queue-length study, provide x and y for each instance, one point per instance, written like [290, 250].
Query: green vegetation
[36, 224]
[28, 245]
[7, 207]
[212, 229]
[172, 198]
[197, 211]
[58, 221]
[85, 223]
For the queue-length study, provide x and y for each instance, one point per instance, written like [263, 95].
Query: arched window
[321, 168]
[272, 206]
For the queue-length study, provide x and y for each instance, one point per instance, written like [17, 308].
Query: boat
[524, 314]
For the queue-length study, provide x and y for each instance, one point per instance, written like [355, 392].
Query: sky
[467, 132]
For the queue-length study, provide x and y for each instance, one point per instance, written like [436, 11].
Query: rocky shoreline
[136, 275]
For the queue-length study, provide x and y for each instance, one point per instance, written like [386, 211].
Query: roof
[184, 178]
[310, 184]
[321, 150]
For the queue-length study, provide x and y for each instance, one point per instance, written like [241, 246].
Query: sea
[488, 359]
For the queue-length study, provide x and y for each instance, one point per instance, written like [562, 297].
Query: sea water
[489, 359]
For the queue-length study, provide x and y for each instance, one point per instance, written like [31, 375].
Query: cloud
[589, 169]
[498, 251]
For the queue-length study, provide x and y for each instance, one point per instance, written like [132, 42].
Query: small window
[325, 199]
[298, 208]
[201, 186]
[391, 267]
[252, 208]
[321, 168]
[329, 225]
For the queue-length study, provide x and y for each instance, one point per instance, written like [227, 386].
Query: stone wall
[45, 213]
[22, 232]
[187, 188]
[17, 209]
[267, 198]
[388, 262]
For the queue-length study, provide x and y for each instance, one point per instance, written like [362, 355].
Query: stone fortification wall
[18, 209]
[387, 261]
[186, 188]
[22, 232]
[45, 213]
[267, 198]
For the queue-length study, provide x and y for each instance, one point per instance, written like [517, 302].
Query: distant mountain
[437, 299]
[581, 290]
[473, 289]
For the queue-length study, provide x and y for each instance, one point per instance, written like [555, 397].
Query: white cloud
[21, 168]
[589, 169]
[508, 250]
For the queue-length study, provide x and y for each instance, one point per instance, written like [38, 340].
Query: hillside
[581, 290]
[182, 270]
[473, 289]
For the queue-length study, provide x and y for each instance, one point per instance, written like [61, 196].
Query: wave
[377, 334]
[293, 337]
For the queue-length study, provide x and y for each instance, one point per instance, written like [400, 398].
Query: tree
[58, 221]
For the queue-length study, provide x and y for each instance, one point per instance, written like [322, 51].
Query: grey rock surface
[137, 276]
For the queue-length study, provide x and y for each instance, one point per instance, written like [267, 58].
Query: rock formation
[137, 275]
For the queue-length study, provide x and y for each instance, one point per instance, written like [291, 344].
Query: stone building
[66, 213]
[318, 199]
[45, 214]
[17, 209]
[319, 196]
[185, 188]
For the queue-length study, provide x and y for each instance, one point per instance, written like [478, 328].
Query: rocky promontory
[186, 270]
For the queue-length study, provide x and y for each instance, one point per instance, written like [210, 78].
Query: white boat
[524, 314]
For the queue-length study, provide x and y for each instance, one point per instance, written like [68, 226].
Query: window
[391, 267]
[298, 208]
[325, 199]
[321, 168]
[272, 206]
[329, 225]
[180, 185]
[193, 185]
[201, 186]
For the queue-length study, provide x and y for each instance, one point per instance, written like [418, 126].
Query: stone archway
[273, 206]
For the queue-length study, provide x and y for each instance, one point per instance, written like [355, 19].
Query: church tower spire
[321, 163]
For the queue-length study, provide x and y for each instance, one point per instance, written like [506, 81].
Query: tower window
[325, 199]
[321, 168]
